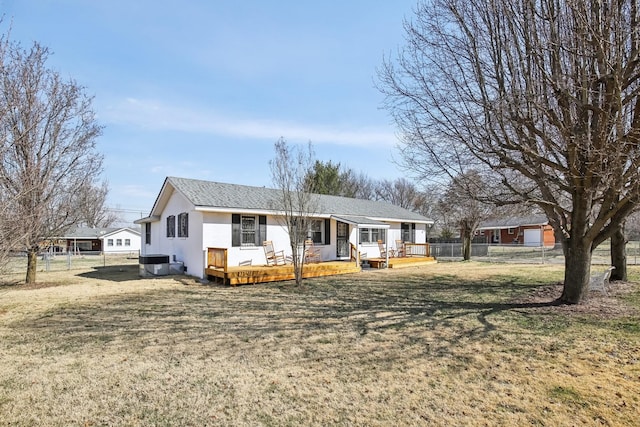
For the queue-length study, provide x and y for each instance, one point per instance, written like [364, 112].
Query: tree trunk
[466, 244]
[466, 248]
[619, 254]
[298, 262]
[577, 269]
[32, 262]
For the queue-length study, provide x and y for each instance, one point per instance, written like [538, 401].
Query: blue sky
[203, 89]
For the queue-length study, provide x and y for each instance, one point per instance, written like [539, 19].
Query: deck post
[386, 248]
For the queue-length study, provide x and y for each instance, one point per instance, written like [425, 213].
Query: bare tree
[400, 192]
[92, 205]
[9, 239]
[427, 200]
[632, 226]
[47, 137]
[359, 185]
[460, 205]
[542, 94]
[297, 202]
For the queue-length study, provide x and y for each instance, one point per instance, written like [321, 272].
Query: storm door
[342, 240]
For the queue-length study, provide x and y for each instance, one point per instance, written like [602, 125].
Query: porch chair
[400, 249]
[273, 257]
[383, 250]
[311, 253]
[599, 282]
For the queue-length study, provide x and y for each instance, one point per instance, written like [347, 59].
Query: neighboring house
[107, 240]
[528, 231]
[121, 240]
[191, 215]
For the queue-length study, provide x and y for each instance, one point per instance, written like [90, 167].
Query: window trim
[183, 225]
[318, 236]
[380, 234]
[408, 232]
[246, 232]
[171, 226]
[260, 222]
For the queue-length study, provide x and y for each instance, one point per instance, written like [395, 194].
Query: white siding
[214, 230]
[122, 235]
[187, 250]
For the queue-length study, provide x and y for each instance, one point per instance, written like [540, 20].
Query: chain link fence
[527, 254]
[49, 261]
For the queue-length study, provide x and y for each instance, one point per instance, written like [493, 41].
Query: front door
[342, 240]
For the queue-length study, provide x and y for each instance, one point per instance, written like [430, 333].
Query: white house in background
[121, 240]
[191, 215]
[107, 240]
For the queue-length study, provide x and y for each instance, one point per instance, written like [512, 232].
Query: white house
[191, 215]
[107, 240]
[121, 240]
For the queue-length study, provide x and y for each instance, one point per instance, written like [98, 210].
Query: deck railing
[356, 255]
[417, 249]
[217, 258]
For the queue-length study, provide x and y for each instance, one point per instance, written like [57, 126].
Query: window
[510, 230]
[183, 225]
[127, 242]
[109, 242]
[248, 230]
[371, 235]
[118, 242]
[408, 232]
[147, 233]
[315, 231]
[171, 226]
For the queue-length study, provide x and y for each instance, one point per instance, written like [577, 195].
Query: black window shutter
[413, 232]
[235, 230]
[262, 230]
[327, 231]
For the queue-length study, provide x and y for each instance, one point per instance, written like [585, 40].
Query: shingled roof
[209, 194]
[513, 222]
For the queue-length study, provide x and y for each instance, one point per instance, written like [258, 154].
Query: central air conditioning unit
[154, 265]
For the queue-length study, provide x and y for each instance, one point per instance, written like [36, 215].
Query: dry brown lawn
[445, 344]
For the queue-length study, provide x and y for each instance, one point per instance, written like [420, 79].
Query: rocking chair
[311, 253]
[273, 257]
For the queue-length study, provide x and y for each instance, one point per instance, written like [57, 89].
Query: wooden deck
[401, 262]
[221, 272]
[262, 273]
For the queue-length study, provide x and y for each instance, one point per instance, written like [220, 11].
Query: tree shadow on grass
[436, 316]
[114, 273]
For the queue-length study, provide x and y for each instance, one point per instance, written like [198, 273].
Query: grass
[446, 344]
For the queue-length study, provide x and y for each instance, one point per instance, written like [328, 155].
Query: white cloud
[158, 116]
[173, 168]
[137, 191]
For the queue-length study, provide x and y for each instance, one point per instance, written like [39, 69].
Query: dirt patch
[596, 304]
